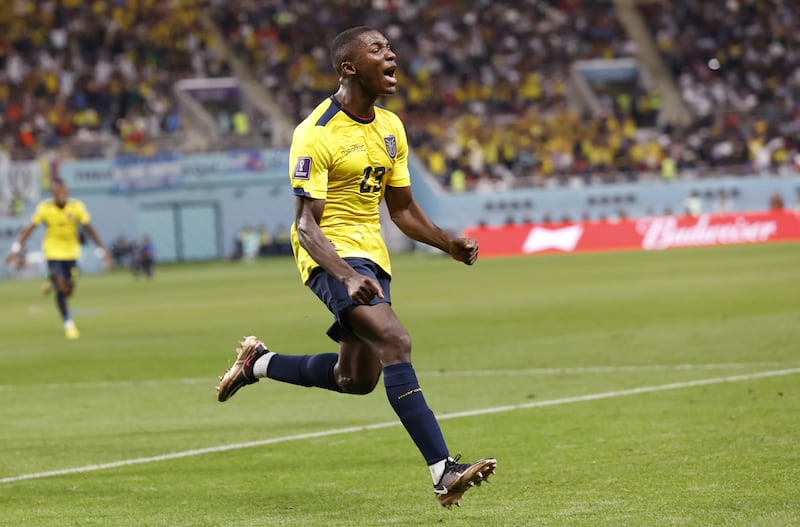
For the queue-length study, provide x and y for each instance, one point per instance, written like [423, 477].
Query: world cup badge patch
[391, 145]
[302, 169]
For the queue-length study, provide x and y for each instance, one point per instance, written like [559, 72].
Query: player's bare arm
[99, 242]
[412, 220]
[17, 246]
[307, 217]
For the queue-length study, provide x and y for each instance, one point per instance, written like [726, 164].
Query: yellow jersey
[61, 241]
[348, 161]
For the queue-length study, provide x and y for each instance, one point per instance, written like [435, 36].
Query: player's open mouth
[388, 74]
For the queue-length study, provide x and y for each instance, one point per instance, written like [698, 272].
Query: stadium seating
[489, 91]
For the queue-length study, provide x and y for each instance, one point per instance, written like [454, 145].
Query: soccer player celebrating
[347, 156]
[62, 217]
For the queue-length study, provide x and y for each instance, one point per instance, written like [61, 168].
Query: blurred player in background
[346, 156]
[63, 217]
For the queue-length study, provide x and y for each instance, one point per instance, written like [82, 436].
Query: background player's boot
[458, 478]
[70, 330]
[241, 373]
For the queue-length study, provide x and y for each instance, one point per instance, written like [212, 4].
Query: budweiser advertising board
[658, 232]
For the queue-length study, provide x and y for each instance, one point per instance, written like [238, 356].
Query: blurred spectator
[723, 204]
[693, 204]
[283, 241]
[797, 203]
[238, 249]
[776, 201]
[17, 205]
[265, 245]
[250, 242]
[122, 251]
[144, 260]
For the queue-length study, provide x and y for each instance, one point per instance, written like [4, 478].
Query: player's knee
[63, 286]
[397, 349]
[357, 385]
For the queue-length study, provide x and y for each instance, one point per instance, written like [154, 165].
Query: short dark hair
[342, 45]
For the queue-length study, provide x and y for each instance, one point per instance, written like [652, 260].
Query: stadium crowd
[484, 84]
[737, 66]
[74, 68]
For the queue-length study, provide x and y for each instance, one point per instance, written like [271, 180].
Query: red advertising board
[651, 233]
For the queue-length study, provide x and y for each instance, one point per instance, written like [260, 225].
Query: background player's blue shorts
[334, 294]
[66, 268]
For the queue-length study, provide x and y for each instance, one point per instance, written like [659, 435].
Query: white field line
[578, 370]
[376, 426]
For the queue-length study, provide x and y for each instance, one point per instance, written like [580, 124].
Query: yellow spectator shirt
[348, 161]
[61, 241]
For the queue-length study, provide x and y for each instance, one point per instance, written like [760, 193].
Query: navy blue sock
[61, 302]
[305, 370]
[409, 404]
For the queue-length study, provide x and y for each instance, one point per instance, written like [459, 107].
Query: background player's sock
[61, 302]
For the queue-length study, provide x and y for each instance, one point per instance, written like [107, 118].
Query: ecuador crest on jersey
[391, 145]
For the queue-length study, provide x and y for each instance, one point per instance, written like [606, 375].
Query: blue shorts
[334, 294]
[66, 268]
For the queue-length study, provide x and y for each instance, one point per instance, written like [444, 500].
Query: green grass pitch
[626, 389]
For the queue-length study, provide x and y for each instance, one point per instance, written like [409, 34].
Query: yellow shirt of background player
[348, 161]
[61, 240]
